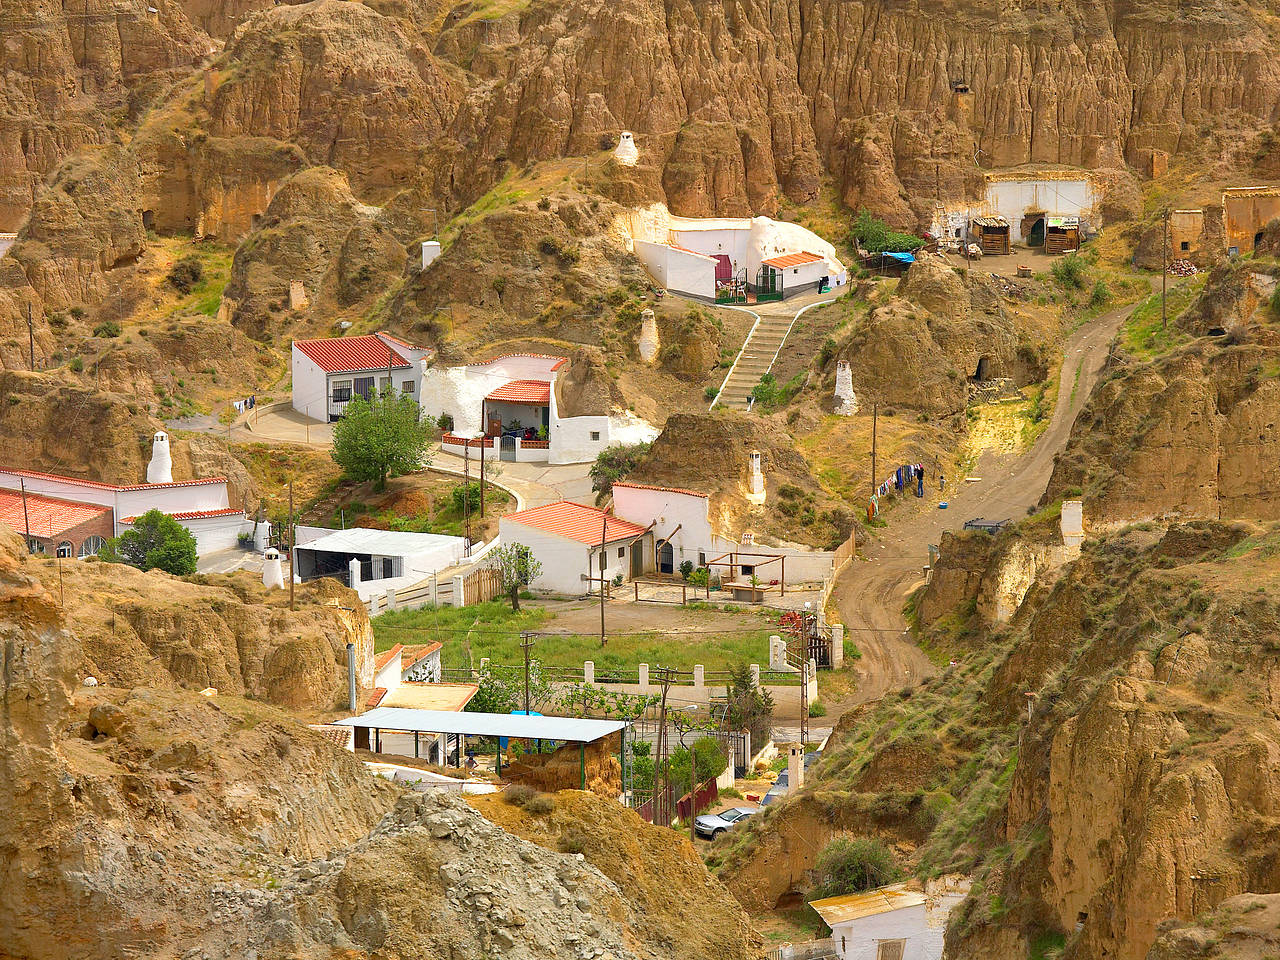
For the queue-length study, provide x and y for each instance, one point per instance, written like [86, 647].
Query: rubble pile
[1183, 268]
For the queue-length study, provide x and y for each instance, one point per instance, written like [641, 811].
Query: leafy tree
[874, 235]
[853, 864]
[379, 437]
[710, 757]
[750, 708]
[501, 690]
[518, 566]
[686, 569]
[157, 541]
[615, 463]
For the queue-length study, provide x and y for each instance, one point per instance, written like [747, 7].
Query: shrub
[1101, 295]
[875, 236]
[464, 493]
[699, 577]
[615, 463]
[539, 805]
[686, 569]
[817, 709]
[1070, 271]
[544, 203]
[710, 392]
[518, 794]
[186, 273]
[550, 246]
[77, 364]
[853, 864]
[108, 328]
[1275, 301]
[573, 840]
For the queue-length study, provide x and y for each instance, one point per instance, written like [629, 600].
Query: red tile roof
[375, 698]
[386, 656]
[99, 485]
[198, 514]
[417, 651]
[350, 354]
[576, 521]
[793, 259]
[49, 516]
[649, 486]
[394, 339]
[536, 356]
[523, 391]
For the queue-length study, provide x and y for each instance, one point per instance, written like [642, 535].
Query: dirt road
[871, 593]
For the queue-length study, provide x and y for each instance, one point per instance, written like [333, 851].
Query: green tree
[379, 437]
[501, 690]
[519, 568]
[750, 708]
[710, 757]
[615, 463]
[853, 864]
[875, 236]
[157, 541]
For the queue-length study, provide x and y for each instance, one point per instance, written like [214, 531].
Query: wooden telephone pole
[466, 488]
[526, 641]
[875, 416]
[604, 535]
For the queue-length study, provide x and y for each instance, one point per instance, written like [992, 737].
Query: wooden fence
[481, 585]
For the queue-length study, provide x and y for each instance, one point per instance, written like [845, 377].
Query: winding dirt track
[871, 593]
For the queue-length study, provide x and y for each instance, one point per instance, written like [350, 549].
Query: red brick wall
[100, 525]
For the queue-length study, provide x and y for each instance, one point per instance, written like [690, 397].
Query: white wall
[669, 510]
[211, 533]
[677, 270]
[460, 391]
[772, 238]
[804, 277]
[389, 676]
[570, 437]
[1014, 199]
[64, 489]
[860, 937]
[710, 237]
[564, 562]
[310, 390]
[400, 376]
[176, 499]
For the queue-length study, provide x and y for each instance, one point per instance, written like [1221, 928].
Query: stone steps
[754, 361]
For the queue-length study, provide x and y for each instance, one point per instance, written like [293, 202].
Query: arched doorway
[666, 559]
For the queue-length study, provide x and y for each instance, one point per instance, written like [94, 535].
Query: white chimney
[626, 152]
[755, 490]
[160, 469]
[272, 571]
[846, 402]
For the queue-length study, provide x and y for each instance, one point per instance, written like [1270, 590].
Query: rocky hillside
[153, 821]
[1184, 424]
[1141, 787]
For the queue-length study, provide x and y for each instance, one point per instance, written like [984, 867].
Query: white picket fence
[461, 588]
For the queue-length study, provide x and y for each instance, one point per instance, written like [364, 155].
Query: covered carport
[452, 729]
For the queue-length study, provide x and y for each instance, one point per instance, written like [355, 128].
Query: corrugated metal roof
[572, 729]
[649, 486]
[792, 259]
[351, 354]
[576, 521]
[49, 516]
[383, 543]
[854, 906]
[523, 391]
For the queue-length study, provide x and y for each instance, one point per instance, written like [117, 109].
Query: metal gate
[507, 448]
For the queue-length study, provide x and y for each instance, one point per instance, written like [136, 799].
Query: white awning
[572, 729]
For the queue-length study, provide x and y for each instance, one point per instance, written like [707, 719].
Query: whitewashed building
[698, 256]
[1026, 199]
[894, 922]
[507, 408]
[568, 538]
[370, 561]
[202, 506]
[327, 373]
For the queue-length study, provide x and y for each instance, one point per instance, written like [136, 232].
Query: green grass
[1143, 333]
[206, 296]
[447, 519]
[492, 630]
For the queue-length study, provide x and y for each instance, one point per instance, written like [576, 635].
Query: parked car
[713, 824]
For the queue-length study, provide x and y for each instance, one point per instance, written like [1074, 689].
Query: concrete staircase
[754, 360]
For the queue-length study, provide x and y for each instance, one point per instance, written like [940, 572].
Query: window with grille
[92, 545]
[406, 387]
[890, 949]
[341, 391]
[364, 386]
[65, 549]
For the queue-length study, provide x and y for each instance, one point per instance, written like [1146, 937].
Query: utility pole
[31, 338]
[693, 795]
[482, 440]
[604, 535]
[26, 517]
[1164, 272]
[875, 416]
[293, 551]
[662, 807]
[526, 641]
[466, 487]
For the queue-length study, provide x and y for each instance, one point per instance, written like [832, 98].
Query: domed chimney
[272, 572]
[626, 153]
[160, 469]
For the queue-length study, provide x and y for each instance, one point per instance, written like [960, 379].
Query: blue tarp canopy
[901, 257]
